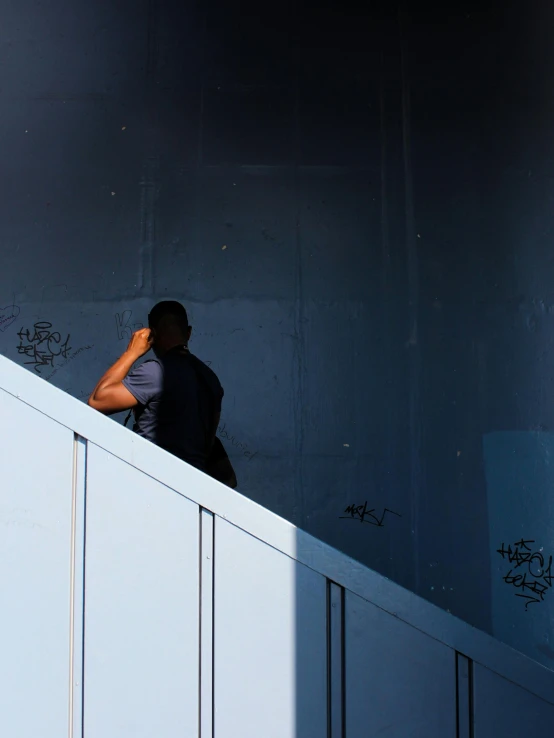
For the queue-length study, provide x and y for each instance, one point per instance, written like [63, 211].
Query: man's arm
[110, 395]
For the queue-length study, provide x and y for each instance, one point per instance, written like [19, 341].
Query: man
[176, 398]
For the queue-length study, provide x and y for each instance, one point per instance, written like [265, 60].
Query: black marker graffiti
[241, 446]
[125, 328]
[7, 316]
[42, 346]
[70, 358]
[536, 578]
[360, 512]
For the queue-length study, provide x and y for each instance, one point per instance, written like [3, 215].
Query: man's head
[169, 324]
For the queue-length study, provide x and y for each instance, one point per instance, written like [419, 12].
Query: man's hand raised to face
[141, 342]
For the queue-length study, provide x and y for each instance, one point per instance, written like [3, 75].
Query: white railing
[141, 599]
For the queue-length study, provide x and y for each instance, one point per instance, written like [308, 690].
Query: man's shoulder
[150, 372]
[150, 366]
[145, 380]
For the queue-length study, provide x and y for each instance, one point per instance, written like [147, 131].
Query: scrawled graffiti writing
[7, 316]
[363, 514]
[70, 358]
[41, 345]
[241, 446]
[125, 328]
[531, 574]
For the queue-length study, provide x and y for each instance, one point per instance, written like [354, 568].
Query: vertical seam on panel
[413, 344]
[200, 159]
[213, 627]
[335, 660]
[386, 271]
[470, 698]
[457, 687]
[77, 587]
[72, 582]
[85, 504]
[206, 620]
[343, 660]
[329, 659]
[200, 588]
[463, 695]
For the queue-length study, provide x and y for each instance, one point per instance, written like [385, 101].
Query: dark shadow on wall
[481, 171]
[396, 217]
[467, 287]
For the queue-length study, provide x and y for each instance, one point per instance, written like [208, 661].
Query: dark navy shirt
[179, 397]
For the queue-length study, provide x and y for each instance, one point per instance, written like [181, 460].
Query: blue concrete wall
[356, 212]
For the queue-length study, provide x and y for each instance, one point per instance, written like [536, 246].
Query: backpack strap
[210, 433]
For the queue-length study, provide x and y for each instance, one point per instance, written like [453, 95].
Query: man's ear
[189, 333]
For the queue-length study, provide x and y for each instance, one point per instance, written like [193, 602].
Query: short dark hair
[168, 309]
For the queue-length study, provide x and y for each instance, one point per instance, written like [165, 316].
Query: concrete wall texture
[357, 212]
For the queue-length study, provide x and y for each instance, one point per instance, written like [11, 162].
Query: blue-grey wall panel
[227, 234]
[47, 235]
[501, 708]
[141, 604]
[339, 231]
[270, 628]
[399, 682]
[36, 458]
[521, 520]
[334, 334]
[344, 506]
[386, 222]
[252, 352]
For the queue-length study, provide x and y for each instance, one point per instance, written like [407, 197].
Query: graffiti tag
[124, 327]
[362, 514]
[70, 358]
[224, 433]
[42, 346]
[7, 316]
[534, 577]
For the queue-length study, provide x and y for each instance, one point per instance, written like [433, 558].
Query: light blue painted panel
[399, 681]
[520, 479]
[504, 709]
[270, 649]
[141, 605]
[276, 532]
[36, 459]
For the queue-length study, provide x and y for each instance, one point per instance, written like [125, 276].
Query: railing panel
[270, 645]
[504, 709]
[141, 604]
[36, 459]
[302, 635]
[399, 681]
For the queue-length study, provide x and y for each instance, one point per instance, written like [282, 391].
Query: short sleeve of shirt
[145, 382]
